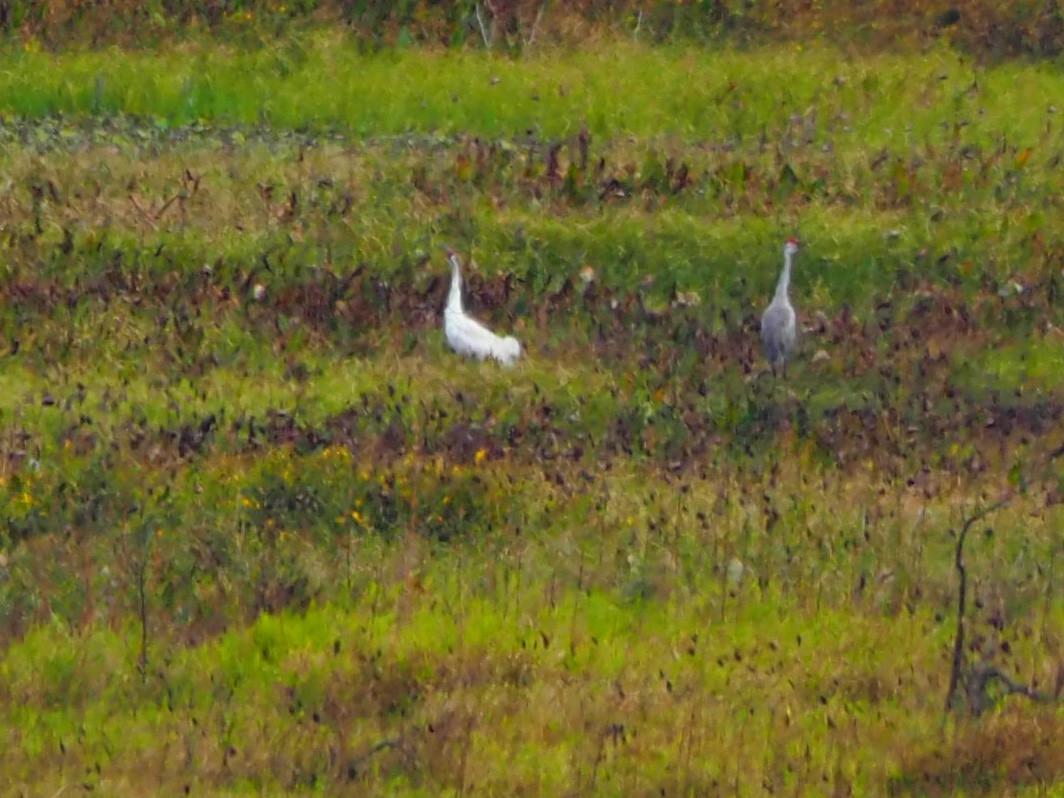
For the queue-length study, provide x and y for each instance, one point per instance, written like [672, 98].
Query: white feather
[467, 336]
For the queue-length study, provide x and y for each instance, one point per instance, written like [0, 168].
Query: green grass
[597, 662]
[1032, 365]
[264, 534]
[320, 81]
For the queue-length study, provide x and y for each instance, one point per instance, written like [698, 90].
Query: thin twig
[638, 25]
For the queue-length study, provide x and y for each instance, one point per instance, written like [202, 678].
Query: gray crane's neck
[454, 299]
[785, 277]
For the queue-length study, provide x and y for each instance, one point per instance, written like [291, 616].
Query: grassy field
[265, 534]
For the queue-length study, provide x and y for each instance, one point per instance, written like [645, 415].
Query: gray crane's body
[779, 323]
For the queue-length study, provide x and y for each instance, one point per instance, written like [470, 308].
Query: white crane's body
[779, 324]
[467, 336]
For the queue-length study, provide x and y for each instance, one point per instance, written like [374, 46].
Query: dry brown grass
[996, 756]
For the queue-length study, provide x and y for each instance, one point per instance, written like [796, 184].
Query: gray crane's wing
[778, 333]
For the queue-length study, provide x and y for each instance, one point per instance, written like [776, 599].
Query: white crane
[779, 325]
[467, 336]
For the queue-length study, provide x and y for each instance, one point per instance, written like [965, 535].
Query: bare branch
[383, 745]
[989, 674]
[978, 696]
[957, 669]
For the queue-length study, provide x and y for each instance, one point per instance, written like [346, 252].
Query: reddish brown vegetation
[987, 27]
[1015, 748]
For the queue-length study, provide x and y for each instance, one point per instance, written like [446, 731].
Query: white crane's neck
[454, 299]
[785, 277]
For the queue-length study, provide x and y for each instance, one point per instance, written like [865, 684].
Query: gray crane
[779, 325]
